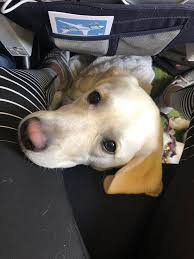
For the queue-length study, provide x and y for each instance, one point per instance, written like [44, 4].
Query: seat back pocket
[94, 47]
[151, 43]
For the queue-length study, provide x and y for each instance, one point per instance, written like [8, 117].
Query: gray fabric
[95, 48]
[140, 45]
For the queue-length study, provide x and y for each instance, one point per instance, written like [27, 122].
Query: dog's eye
[94, 97]
[109, 146]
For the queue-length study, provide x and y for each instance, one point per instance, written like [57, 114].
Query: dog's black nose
[32, 136]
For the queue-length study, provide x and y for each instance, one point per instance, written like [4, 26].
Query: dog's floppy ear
[143, 174]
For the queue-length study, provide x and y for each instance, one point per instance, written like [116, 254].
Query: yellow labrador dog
[110, 122]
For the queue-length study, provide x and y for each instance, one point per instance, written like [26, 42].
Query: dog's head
[113, 125]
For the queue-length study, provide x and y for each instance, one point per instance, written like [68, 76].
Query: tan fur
[142, 174]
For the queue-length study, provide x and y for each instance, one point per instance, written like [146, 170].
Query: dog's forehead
[125, 83]
[127, 100]
[129, 108]
[123, 88]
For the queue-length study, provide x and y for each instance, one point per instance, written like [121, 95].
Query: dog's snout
[32, 135]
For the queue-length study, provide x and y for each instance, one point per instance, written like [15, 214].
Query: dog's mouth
[32, 135]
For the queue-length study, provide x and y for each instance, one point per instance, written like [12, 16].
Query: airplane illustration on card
[69, 28]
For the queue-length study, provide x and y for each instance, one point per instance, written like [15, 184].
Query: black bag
[137, 29]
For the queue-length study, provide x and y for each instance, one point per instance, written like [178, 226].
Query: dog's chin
[99, 169]
[105, 168]
[40, 159]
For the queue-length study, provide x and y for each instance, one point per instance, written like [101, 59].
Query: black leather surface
[36, 220]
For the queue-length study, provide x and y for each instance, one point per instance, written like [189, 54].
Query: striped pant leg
[21, 93]
[188, 152]
[45, 79]
[183, 101]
